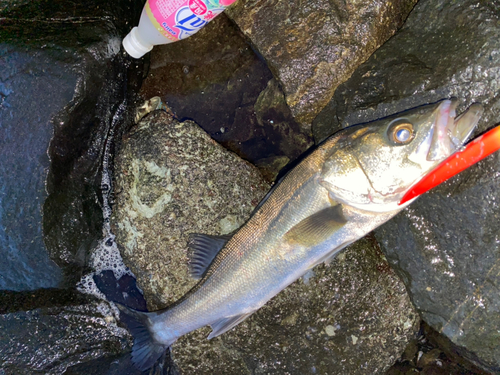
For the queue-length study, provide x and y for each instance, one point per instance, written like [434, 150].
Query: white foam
[106, 255]
[106, 49]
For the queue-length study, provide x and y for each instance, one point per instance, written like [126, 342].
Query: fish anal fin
[203, 249]
[225, 324]
[317, 227]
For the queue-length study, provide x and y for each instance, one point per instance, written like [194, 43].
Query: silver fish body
[352, 183]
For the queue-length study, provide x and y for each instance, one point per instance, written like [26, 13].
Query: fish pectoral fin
[317, 227]
[203, 249]
[225, 324]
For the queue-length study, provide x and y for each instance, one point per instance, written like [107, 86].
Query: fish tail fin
[146, 350]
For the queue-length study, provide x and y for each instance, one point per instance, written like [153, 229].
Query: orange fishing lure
[473, 152]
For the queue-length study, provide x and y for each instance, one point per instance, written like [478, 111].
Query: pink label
[179, 19]
[198, 7]
[226, 3]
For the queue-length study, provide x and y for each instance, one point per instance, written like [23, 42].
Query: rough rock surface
[172, 180]
[352, 317]
[446, 245]
[312, 48]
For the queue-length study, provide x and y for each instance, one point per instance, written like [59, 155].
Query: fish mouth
[451, 132]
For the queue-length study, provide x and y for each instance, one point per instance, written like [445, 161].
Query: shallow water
[25, 133]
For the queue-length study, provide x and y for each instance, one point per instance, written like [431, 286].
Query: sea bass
[349, 185]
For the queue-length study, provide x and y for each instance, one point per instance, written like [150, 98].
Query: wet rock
[215, 79]
[270, 167]
[63, 90]
[11, 301]
[312, 48]
[410, 352]
[4, 4]
[450, 358]
[272, 112]
[54, 75]
[63, 80]
[49, 340]
[446, 245]
[172, 180]
[116, 365]
[429, 358]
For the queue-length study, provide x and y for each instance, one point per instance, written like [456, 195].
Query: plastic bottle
[167, 21]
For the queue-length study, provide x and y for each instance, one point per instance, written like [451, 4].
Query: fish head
[372, 166]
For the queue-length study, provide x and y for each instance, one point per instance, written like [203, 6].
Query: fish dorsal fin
[203, 249]
[225, 324]
[317, 227]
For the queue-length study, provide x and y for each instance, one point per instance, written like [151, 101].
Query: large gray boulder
[312, 48]
[446, 245]
[172, 179]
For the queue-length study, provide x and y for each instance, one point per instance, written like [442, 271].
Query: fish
[350, 184]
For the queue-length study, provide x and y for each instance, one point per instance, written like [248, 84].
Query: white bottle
[167, 21]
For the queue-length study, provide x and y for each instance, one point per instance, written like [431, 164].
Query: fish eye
[401, 132]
